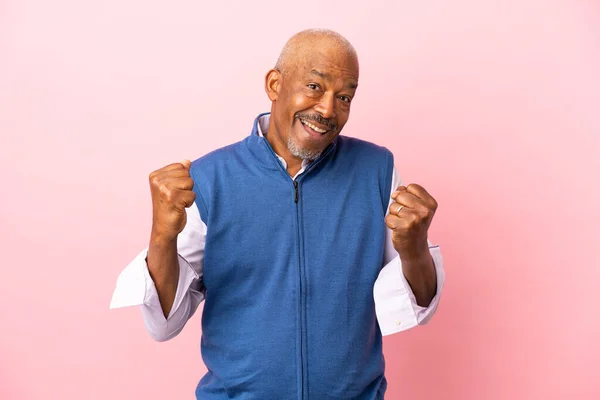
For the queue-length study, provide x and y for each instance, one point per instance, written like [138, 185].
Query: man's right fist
[171, 190]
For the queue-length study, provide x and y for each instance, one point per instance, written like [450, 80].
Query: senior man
[303, 244]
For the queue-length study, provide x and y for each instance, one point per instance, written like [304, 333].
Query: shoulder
[216, 157]
[362, 149]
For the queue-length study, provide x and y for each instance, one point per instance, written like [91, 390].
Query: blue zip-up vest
[289, 269]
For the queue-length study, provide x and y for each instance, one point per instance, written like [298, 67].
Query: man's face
[313, 101]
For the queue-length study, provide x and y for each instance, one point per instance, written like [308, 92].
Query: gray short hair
[299, 44]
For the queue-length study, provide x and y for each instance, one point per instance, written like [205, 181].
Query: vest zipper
[301, 298]
[295, 191]
[301, 287]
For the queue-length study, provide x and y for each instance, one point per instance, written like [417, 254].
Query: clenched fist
[409, 217]
[171, 190]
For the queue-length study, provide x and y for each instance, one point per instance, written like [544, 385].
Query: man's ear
[273, 84]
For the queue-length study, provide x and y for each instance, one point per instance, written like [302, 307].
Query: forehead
[328, 63]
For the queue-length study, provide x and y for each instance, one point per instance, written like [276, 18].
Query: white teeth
[311, 126]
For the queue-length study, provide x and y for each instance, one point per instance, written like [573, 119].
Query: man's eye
[345, 99]
[313, 86]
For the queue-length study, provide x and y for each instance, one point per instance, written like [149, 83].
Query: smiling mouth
[314, 127]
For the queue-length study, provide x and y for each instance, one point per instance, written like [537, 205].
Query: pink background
[493, 106]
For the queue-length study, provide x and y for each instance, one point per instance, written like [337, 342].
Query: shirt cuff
[136, 287]
[395, 304]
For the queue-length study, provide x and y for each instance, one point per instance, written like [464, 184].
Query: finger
[406, 212]
[173, 173]
[179, 199]
[409, 200]
[186, 164]
[428, 199]
[422, 194]
[188, 197]
[391, 221]
[395, 208]
[172, 167]
[394, 222]
[397, 191]
[183, 183]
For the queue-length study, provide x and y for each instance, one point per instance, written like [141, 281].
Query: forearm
[163, 266]
[419, 271]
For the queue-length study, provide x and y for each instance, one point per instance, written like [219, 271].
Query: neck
[294, 164]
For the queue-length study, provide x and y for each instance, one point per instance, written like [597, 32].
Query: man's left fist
[409, 217]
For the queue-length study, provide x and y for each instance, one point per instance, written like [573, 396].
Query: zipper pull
[295, 191]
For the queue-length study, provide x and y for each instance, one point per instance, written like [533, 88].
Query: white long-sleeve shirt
[395, 304]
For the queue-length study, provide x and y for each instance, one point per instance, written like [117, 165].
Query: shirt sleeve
[135, 286]
[395, 304]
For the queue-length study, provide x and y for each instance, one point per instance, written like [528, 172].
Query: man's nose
[326, 106]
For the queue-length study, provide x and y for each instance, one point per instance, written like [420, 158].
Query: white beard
[304, 154]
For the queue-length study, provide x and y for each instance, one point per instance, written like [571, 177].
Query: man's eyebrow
[324, 75]
[320, 74]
